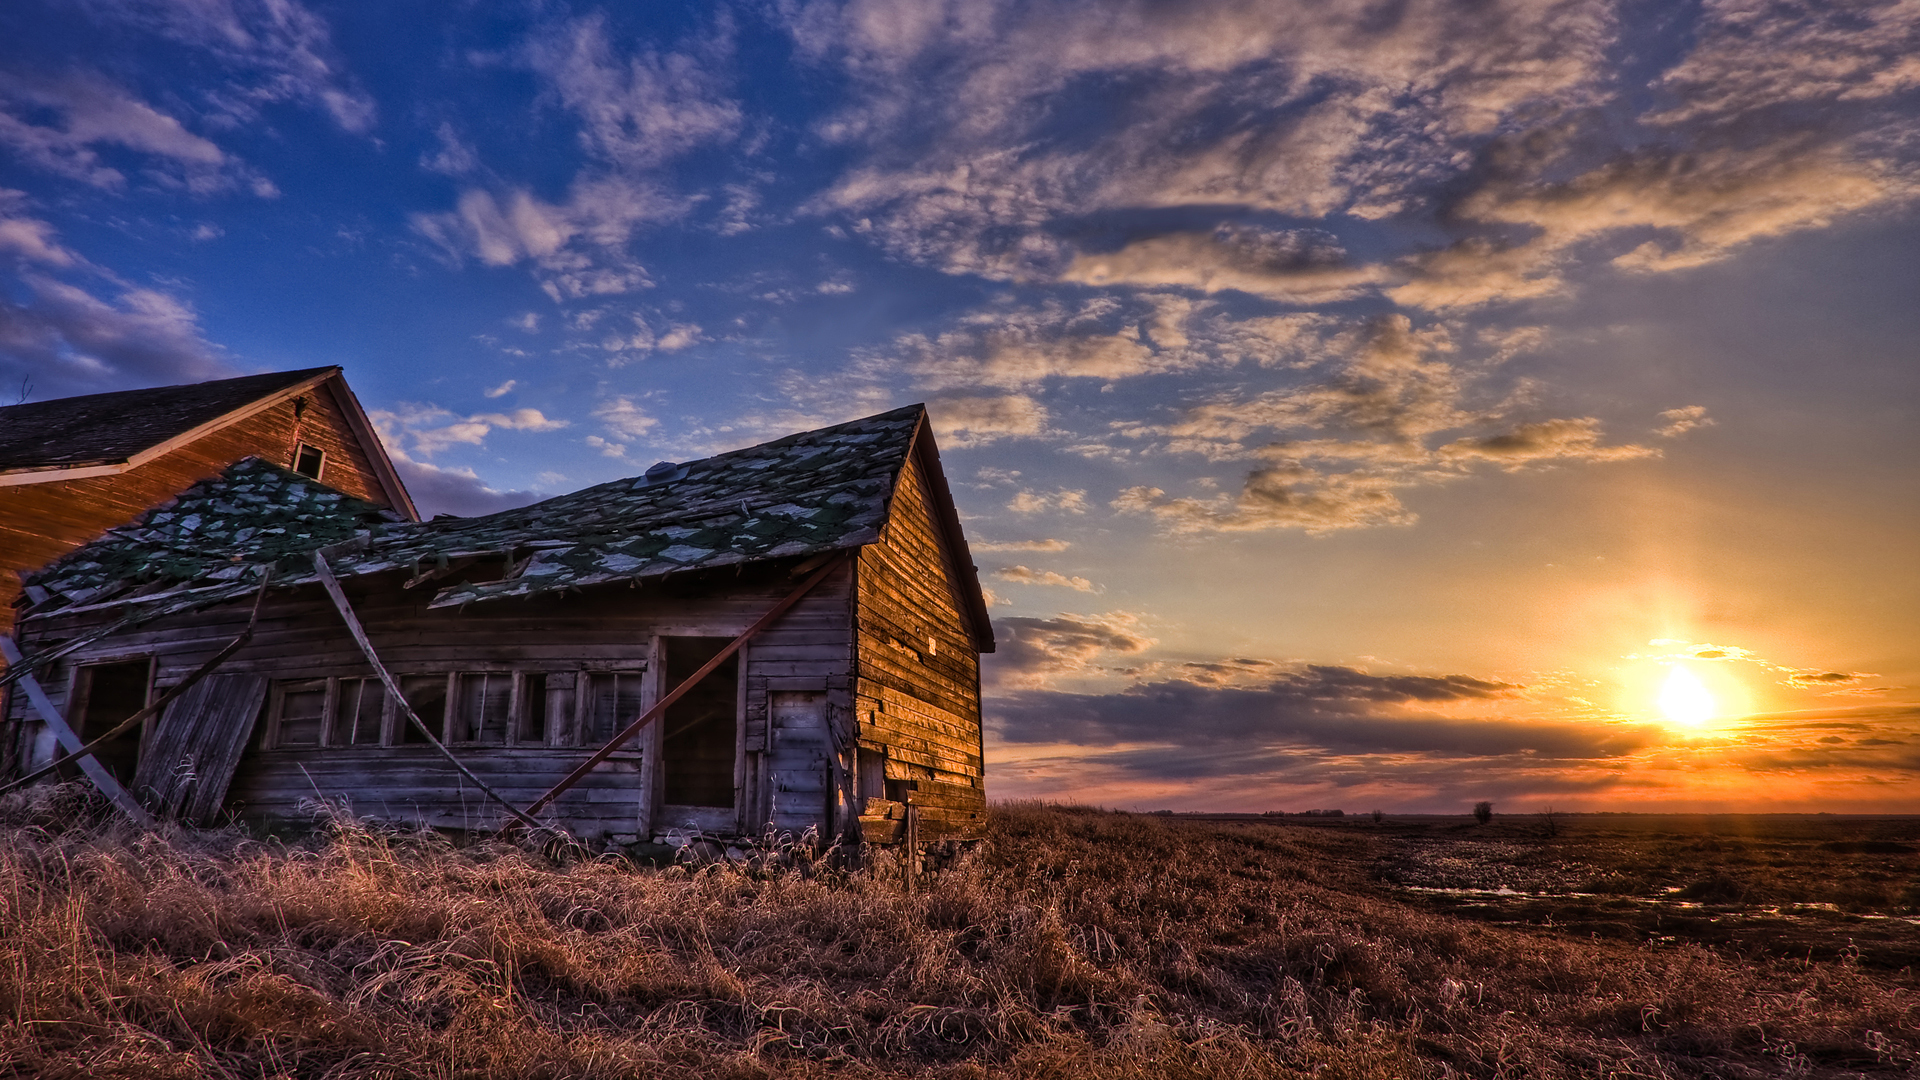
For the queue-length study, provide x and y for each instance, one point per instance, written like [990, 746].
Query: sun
[1685, 699]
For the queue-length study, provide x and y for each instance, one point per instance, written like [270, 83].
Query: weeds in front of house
[1072, 943]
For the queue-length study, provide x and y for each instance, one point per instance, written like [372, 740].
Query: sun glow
[1685, 699]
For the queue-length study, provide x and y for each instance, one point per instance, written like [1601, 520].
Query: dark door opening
[109, 694]
[701, 727]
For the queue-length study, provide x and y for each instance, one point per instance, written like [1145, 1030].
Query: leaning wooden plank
[94, 771]
[195, 748]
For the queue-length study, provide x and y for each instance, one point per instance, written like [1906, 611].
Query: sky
[1366, 405]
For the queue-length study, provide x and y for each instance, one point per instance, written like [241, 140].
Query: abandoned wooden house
[72, 468]
[783, 638]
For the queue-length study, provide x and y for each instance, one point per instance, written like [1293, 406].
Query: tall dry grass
[1072, 944]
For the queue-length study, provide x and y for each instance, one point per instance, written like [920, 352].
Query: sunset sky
[1350, 404]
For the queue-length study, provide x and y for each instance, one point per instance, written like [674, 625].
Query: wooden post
[913, 846]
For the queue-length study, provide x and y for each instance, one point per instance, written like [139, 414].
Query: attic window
[308, 460]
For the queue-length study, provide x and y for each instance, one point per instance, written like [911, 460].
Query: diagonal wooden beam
[660, 707]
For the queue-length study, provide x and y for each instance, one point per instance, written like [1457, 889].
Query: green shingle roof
[808, 493]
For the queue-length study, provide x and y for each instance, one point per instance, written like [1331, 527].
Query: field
[1072, 943]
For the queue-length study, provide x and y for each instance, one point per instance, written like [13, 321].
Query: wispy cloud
[1022, 575]
[270, 50]
[429, 429]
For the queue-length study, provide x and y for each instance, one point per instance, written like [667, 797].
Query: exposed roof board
[103, 429]
[805, 494]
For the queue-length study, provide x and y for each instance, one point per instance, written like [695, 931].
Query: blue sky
[1351, 403]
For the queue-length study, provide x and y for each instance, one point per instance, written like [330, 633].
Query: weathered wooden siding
[300, 636]
[41, 522]
[917, 691]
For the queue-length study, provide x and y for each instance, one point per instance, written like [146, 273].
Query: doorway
[702, 728]
[108, 694]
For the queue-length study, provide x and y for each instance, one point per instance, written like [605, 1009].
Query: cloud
[278, 50]
[1385, 402]
[1545, 441]
[87, 112]
[1303, 110]
[454, 156]
[71, 341]
[1296, 266]
[963, 422]
[1065, 500]
[1677, 422]
[624, 419]
[643, 338]
[1019, 545]
[1828, 680]
[1019, 348]
[1024, 576]
[460, 492]
[639, 110]
[1034, 652]
[1328, 708]
[578, 248]
[1755, 55]
[28, 239]
[1678, 649]
[429, 429]
[503, 389]
[1701, 205]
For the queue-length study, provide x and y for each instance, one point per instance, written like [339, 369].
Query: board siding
[917, 695]
[299, 635]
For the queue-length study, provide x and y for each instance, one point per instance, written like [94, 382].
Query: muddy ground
[1814, 886]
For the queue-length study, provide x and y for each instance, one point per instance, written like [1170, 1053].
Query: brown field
[1072, 943]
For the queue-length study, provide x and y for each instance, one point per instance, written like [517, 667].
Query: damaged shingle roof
[812, 492]
[106, 428]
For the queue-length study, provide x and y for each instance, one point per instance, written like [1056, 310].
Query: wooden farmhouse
[783, 638]
[72, 468]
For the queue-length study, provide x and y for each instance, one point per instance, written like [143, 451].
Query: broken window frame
[300, 451]
[273, 737]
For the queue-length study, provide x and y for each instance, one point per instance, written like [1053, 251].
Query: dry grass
[1073, 944]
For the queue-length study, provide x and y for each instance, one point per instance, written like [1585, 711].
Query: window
[308, 460]
[427, 694]
[297, 711]
[487, 708]
[481, 711]
[358, 715]
[615, 703]
[534, 709]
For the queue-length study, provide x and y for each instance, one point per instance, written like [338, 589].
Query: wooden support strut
[660, 707]
[328, 582]
[166, 699]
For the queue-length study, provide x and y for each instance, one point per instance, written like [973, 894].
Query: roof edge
[397, 495]
[128, 464]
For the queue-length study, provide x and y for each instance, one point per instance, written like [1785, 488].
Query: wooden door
[797, 767]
